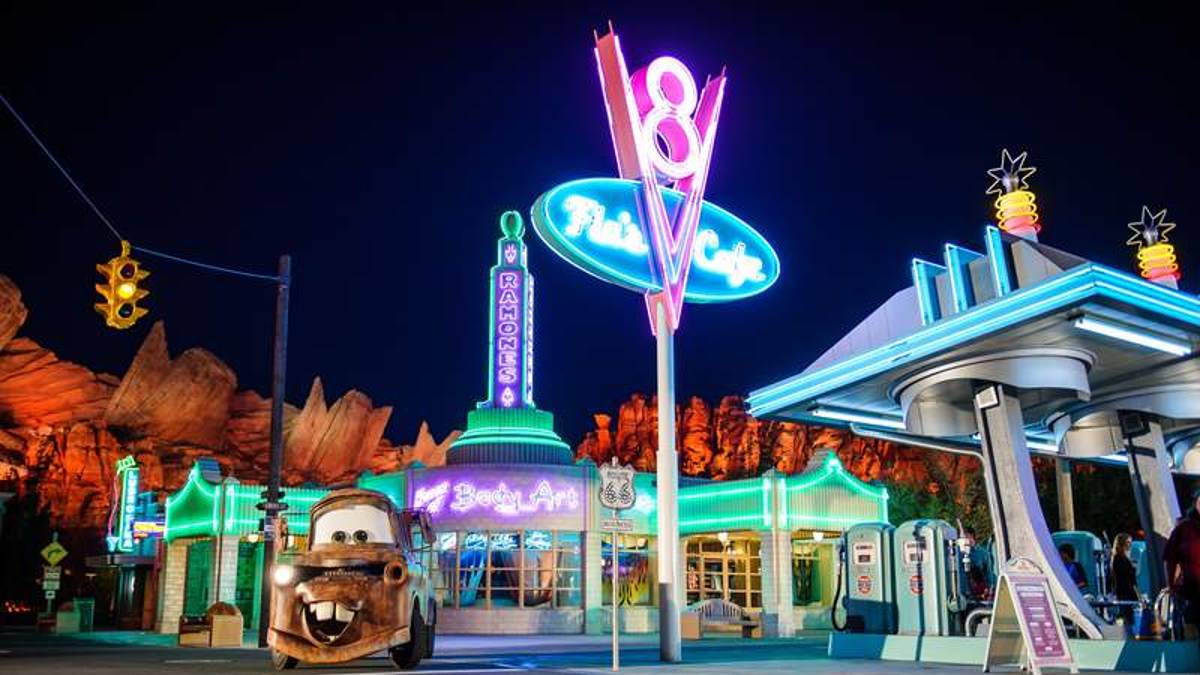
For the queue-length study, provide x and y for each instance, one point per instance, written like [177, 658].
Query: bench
[718, 614]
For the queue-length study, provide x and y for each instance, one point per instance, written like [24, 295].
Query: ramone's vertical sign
[510, 383]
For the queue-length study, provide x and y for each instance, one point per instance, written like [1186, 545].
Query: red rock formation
[726, 443]
[12, 310]
[63, 428]
[334, 442]
[598, 444]
[183, 400]
[637, 432]
[39, 390]
[695, 438]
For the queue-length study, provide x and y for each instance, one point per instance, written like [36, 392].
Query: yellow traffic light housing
[121, 290]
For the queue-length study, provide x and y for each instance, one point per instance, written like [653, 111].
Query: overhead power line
[104, 219]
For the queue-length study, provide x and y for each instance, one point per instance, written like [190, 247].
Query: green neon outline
[722, 519]
[686, 494]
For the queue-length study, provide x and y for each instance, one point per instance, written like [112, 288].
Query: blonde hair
[1121, 543]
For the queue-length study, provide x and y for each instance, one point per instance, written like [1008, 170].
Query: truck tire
[408, 655]
[431, 631]
[281, 661]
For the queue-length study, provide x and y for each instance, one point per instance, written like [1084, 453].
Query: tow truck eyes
[360, 536]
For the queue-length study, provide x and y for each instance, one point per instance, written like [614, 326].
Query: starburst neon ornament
[1016, 210]
[1156, 258]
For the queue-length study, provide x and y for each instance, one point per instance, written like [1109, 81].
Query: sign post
[1026, 629]
[616, 493]
[52, 553]
[651, 231]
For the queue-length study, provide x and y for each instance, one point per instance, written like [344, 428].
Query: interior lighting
[864, 418]
[1133, 336]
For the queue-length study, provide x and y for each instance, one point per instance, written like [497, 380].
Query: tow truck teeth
[323, 611]
[344, 614]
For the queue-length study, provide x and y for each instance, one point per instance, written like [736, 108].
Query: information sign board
[1026, 629]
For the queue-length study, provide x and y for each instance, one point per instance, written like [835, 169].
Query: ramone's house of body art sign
[484, 497]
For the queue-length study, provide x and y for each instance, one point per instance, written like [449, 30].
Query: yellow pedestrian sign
[54, 552]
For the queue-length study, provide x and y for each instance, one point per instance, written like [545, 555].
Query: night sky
[379, 145]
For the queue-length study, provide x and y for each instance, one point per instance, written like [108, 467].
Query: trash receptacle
[87, 612]
[66, 620]
[225, 624]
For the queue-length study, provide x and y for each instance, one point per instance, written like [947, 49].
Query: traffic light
[121, 290]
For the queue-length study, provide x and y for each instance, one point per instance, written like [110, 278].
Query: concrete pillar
[1154, 492]
[1066, 494]
[174, 573]
[595, 617]
[222, 587]
[778, 613]
[1017, 516]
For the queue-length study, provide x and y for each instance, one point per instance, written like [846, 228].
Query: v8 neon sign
[651, 230]
[663, 134]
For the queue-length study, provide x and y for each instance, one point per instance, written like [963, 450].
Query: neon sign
[590, 223]
[125, 489]
[511, 380]
[465, 496]
[1157, 261]
[651, 230]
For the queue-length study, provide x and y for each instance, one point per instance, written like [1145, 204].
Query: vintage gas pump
[1141, 562]
[931, 585]
[865, 576]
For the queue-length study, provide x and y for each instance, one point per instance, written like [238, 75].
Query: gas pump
[865, 573]
[1139, 556]
[931, 584]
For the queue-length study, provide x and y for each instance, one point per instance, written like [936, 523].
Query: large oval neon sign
[594, 224]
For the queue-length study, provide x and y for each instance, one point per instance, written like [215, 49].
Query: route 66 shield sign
[616, 486]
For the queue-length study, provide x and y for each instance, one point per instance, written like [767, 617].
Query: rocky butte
[63, 427]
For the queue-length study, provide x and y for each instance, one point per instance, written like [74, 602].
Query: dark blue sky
[378, 145]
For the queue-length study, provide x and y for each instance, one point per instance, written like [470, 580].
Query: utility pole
[272, 502]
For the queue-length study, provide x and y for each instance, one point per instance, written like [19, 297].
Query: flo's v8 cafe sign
[650, 229]
[595, 224]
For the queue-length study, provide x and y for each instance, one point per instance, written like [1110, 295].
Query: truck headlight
[283, 574]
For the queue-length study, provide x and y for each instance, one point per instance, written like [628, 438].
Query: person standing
[1182, 558]
[1124, 578]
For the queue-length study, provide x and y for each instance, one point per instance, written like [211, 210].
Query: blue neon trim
[924, 280]
[961, 289]
[1065, 289]
[1001, 275]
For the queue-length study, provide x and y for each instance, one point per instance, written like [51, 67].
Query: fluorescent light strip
[863, 418]
[1133, 336]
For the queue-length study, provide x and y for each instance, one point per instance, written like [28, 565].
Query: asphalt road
[147, 653]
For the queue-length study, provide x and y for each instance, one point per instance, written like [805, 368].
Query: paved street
[129, 652]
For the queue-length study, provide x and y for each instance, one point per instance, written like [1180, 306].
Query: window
[639, 571]
[730, 569]
[508, 568]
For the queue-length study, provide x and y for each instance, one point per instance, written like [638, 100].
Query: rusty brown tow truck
[361, 586]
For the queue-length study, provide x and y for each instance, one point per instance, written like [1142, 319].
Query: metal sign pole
[670, 648]
[616, 595]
